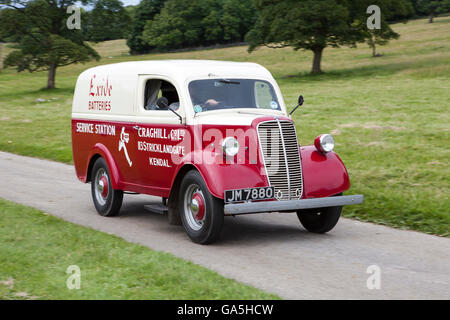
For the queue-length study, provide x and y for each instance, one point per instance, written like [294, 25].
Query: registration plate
[249, 194]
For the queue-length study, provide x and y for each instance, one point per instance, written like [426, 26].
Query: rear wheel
[201, 213]
[107, 200]
[319, 220]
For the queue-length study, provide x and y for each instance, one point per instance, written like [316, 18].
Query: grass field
[389, 115]
[111, 268]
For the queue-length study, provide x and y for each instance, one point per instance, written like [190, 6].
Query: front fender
[324, 175]
[220, 177]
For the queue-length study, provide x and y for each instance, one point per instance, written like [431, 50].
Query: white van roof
[181, 70]
[112, 90]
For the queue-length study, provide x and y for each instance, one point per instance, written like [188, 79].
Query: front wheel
[201, 213]
[319, 220]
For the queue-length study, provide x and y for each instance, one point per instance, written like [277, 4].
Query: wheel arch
[91, 165]
[172, 202]
[100, 151]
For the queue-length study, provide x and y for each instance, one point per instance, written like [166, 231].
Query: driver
[198, 99]
[211, 103]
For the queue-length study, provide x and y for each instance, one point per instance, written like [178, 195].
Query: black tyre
[319, 220]
[201, 213]
[107, 200]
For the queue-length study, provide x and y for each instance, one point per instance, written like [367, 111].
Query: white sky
[130, 2]
[125, 3]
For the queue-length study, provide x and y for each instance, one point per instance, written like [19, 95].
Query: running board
[158, 208]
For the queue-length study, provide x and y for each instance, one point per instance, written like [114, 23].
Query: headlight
[230, 146]
[324, 143]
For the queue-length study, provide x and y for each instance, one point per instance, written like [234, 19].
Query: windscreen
[214, 94]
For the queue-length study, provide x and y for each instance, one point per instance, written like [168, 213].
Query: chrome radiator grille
[279, 148]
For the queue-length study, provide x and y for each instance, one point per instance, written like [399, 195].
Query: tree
[390, 10]
[44, 41]
[237, 19]
[431, 8]
[145, 11]
[396, 10]
[317, 24]
[108, 20]
[380, 37]
[304, 24]
[182, 24]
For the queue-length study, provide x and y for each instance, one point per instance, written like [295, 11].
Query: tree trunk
[1, 60]
[51, 77]
[371, 43]
[317, 60]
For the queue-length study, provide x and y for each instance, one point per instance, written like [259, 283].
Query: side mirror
[162, 103]
[300, 102]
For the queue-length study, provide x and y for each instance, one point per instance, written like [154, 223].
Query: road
[270, 251]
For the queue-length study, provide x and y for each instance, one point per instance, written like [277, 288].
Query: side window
[264, 96]
[155, 89]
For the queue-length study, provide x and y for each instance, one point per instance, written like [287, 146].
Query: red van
[211, 138]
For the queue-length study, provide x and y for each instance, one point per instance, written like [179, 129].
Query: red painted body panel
[324, 175]
[94, 141]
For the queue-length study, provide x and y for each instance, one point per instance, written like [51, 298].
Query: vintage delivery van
[211, 138]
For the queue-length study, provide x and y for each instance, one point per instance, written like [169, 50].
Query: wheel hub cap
[102, 186]
[198, 206]
[194, 207]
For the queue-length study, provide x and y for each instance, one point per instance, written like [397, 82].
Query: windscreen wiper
[228, 81]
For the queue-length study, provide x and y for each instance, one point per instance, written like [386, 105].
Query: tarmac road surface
[270, 251]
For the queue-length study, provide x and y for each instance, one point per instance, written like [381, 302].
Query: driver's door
[158, 132]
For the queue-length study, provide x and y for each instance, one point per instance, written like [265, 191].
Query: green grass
[36, 249]
[389, 115]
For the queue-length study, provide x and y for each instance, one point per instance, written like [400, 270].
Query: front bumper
[291, 205]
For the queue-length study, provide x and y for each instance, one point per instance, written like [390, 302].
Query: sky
[125, 3]
[130, 2]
